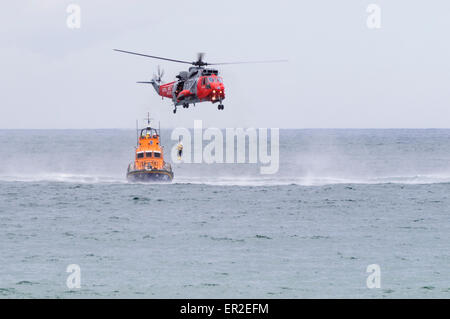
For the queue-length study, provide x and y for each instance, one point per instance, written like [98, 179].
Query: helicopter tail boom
[155, 85]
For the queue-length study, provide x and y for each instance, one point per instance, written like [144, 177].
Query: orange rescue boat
[149, 164]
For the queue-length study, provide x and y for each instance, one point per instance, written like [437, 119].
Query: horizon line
[267, 127]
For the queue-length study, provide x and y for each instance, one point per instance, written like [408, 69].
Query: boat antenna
[148, 119]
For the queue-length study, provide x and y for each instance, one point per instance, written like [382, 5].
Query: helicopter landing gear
[175, 110]
[185, 105]
[220, 107]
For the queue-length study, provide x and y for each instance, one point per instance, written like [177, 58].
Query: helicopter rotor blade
[249, 62]
[199, 61]
[152, 56]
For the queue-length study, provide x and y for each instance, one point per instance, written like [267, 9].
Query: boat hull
[150, 176]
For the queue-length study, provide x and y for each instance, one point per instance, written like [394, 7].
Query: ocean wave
[312, 181]
[62, 177]
[272, 180]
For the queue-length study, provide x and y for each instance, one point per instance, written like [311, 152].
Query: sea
[351, 213]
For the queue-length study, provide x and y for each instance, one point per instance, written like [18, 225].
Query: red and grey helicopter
[198, 84]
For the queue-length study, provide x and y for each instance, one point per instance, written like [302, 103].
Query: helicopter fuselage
[194, 86]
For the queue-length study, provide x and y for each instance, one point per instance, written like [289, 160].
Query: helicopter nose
[218, 92]
[218, 87]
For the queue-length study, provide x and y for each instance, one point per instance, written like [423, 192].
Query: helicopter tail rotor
[156, 80]
[158, 76]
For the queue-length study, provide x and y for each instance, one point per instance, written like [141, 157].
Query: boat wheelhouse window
[157, 154]
[140, 155]
[148, 154]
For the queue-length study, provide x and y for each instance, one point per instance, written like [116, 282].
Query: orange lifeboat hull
[154, 175]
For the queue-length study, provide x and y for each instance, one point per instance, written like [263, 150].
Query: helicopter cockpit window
[203, 81]
[211, 79]
[219, 80]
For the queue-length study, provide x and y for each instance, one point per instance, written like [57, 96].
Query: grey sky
[340, 73]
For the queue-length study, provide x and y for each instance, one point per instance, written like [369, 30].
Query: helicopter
[198, 84]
